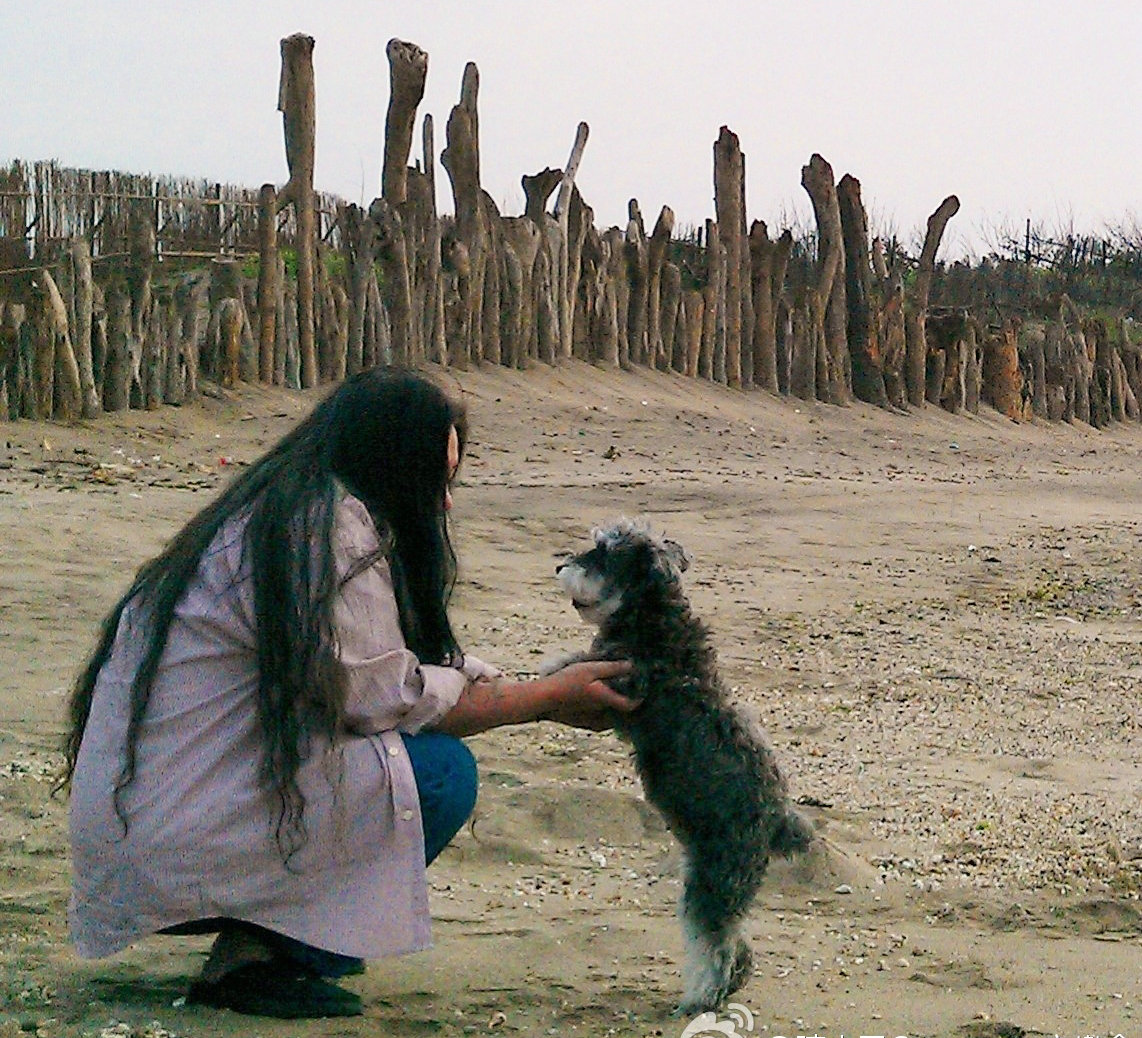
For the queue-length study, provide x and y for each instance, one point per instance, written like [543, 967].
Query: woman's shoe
[277, 989]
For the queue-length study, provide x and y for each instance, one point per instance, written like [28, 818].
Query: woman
[264, 743]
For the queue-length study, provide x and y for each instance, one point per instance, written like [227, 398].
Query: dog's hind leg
[717, 961]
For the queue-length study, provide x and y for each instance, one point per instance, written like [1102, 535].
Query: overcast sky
[1020, 108]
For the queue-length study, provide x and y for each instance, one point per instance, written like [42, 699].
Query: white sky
[1020, 108]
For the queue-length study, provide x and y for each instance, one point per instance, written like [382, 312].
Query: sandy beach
[937, 617]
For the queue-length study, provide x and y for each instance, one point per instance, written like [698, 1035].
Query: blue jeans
[446, 783]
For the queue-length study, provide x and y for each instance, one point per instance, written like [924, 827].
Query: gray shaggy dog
[704, 765]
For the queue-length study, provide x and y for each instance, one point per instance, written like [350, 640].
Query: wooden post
[117, 372]
[83, 295]
[490, 317]
[166, 327]
[1002, 379]
[655, 259]
[637, 262]
[522, 236]
[298, 105]
[694, 306]
[728, 177]
[537, 189]
[891, 330]
[803, 347]
[358, 237]
[461, 161]
[188, 301]
[230, 333]
[154, 360]
[58, 392]
[863, 341]
[411, 223]
[435, 341]
[817, 180]
[565, 289]
[916, 312]
[617, 297]
[582, 239]
[1081, 359]
[408, 70]
[140, 273]
[711, 301]
[671, 278]
[391, 250]
[11, 317]
[768, 262]
[267, 280]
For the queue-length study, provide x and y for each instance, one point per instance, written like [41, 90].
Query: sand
[937, 618]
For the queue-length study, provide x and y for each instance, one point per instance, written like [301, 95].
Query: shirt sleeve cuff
[442, 689]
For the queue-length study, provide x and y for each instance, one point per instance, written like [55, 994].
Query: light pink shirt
[200, 841]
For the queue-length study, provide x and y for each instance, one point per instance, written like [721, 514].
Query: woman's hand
[582, 698]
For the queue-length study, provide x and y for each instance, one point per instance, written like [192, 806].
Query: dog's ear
[676, 556]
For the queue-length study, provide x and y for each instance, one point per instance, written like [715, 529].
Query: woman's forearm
[492, 703]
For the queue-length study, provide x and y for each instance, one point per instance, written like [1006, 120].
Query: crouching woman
[265, 743]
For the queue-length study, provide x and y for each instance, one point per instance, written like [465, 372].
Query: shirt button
[393, 751]
[406, 815]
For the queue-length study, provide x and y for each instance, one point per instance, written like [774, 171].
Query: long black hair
[383, 434]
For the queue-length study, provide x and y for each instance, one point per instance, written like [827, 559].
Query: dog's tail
[794, 833]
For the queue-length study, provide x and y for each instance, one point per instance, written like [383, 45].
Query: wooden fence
[92, 318]
[44, 206]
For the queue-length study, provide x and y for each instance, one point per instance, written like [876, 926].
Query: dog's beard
[589, 595]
